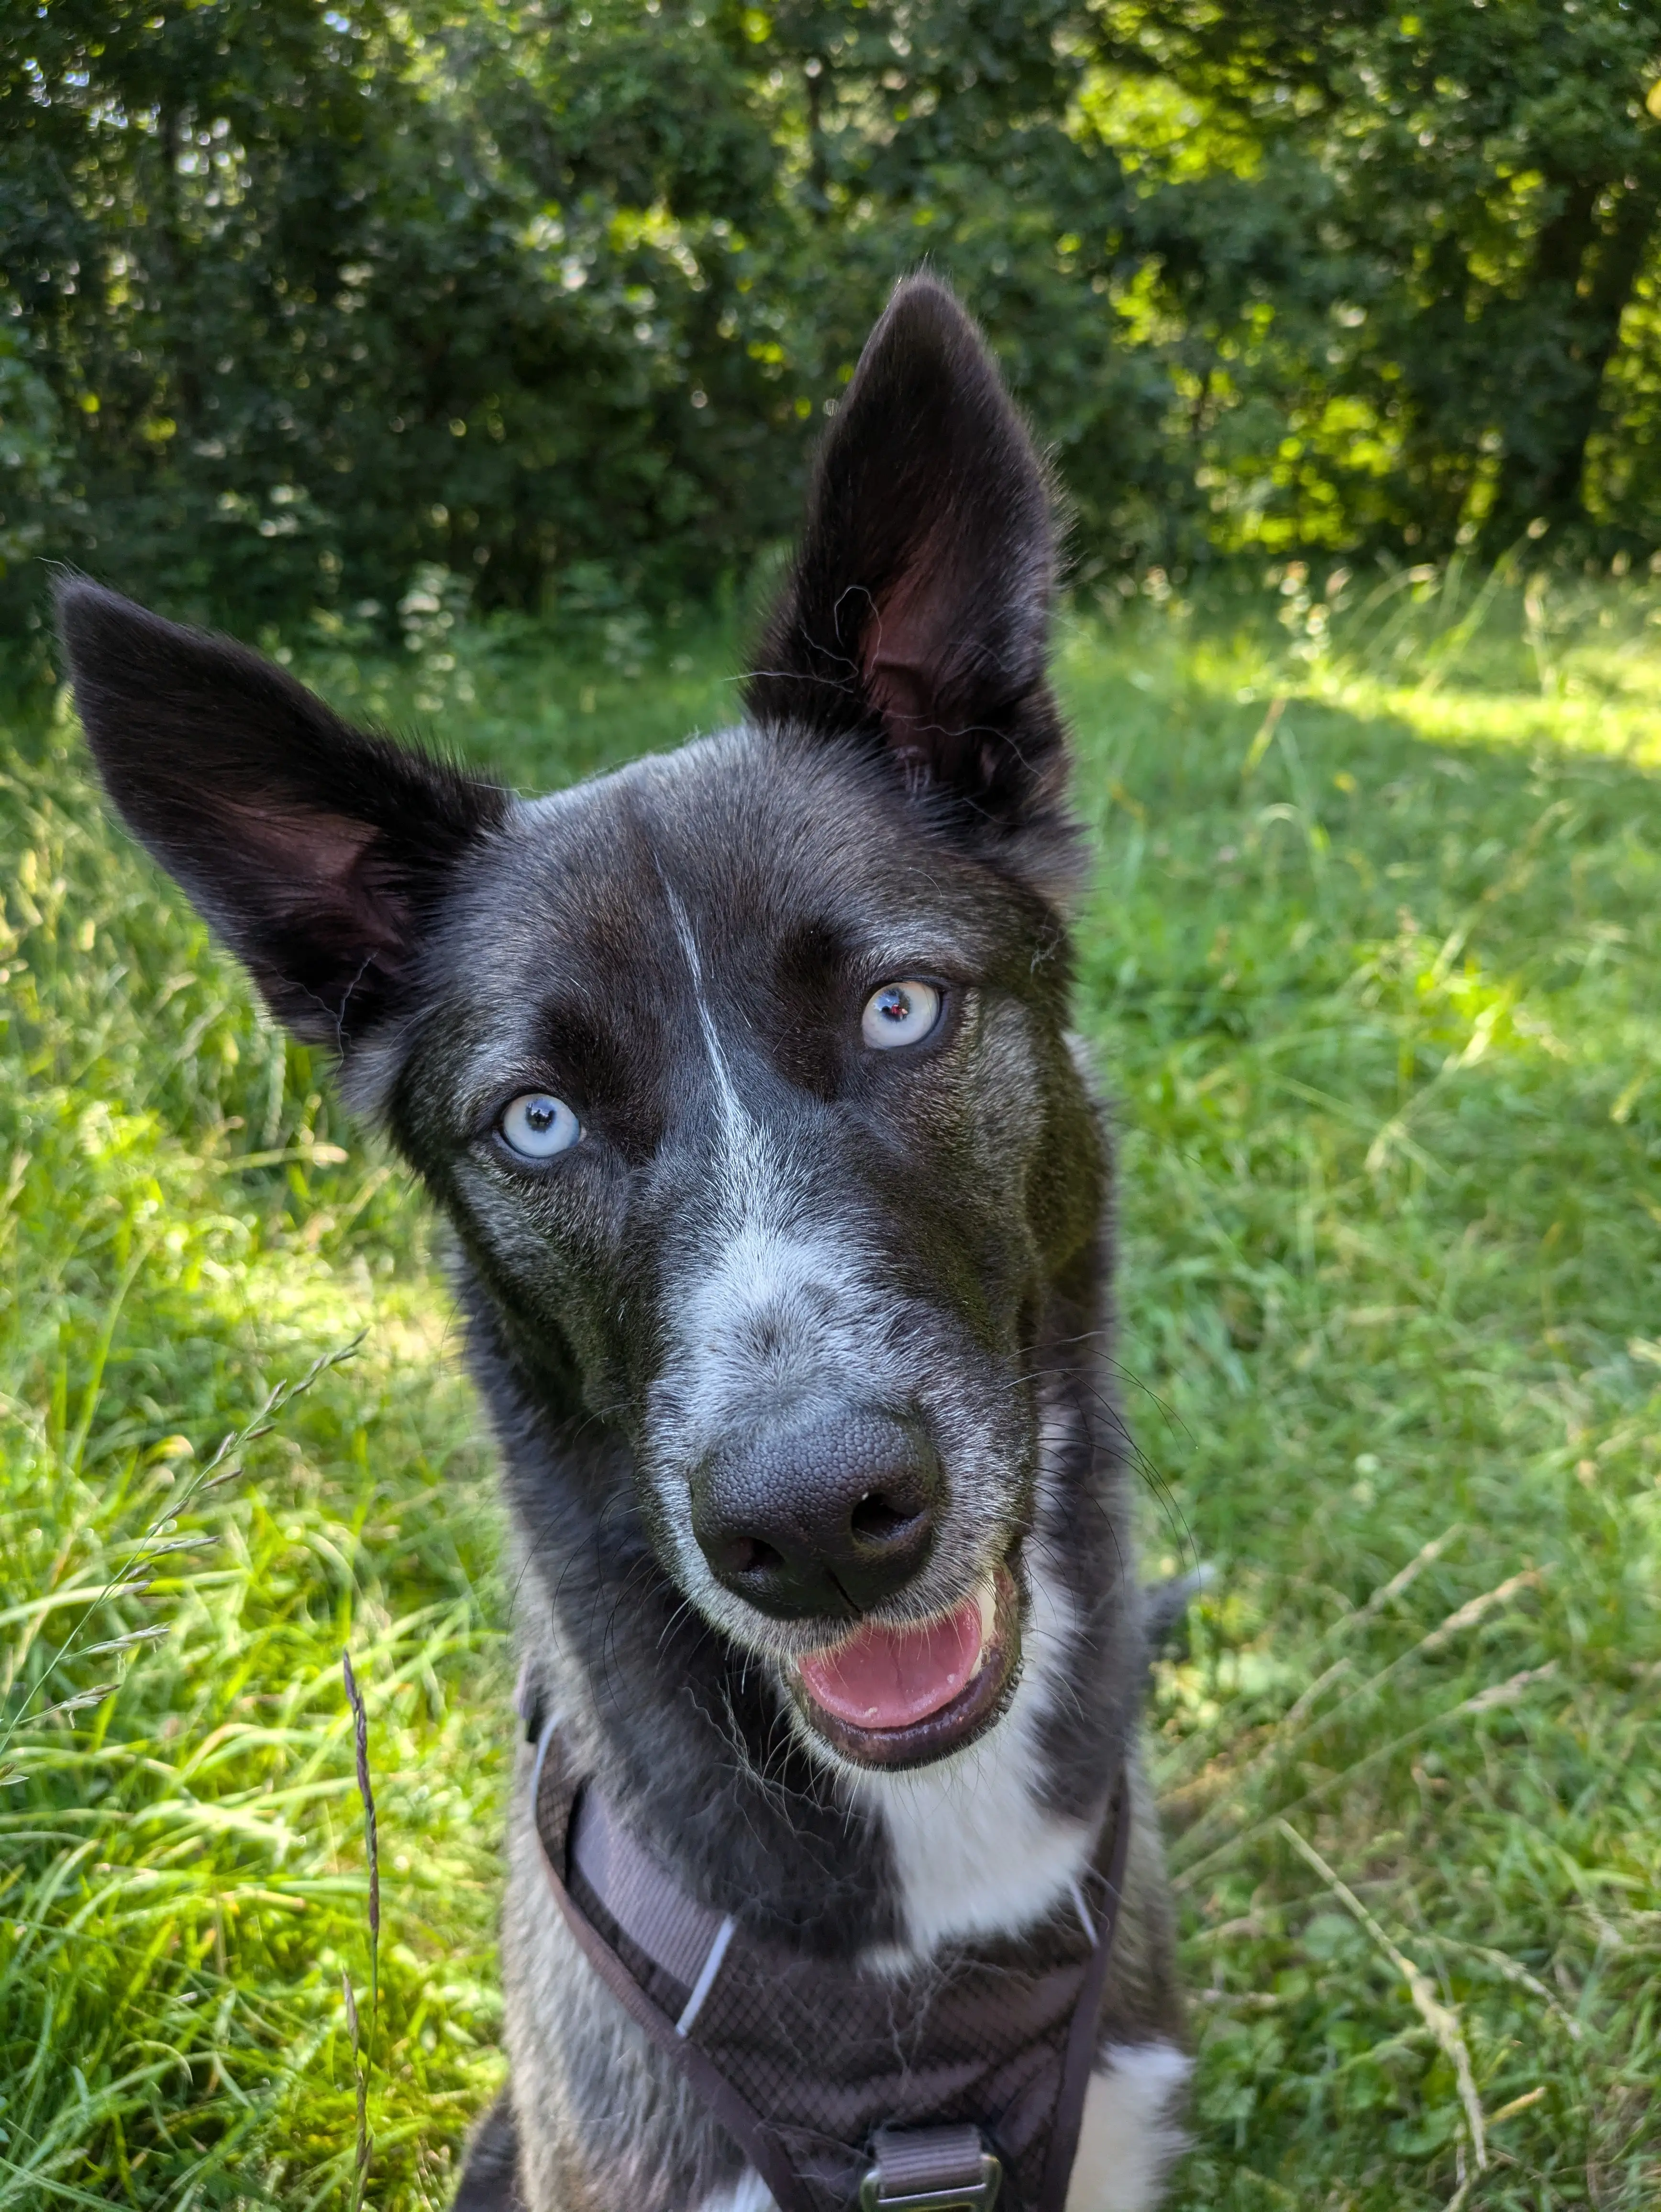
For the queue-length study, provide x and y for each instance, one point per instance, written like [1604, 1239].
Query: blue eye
[900, 1013]
[536, 1126]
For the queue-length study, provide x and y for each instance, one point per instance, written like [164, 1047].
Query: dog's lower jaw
[975, 1851]
[974, 1712]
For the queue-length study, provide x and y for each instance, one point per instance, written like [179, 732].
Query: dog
[781, 1198]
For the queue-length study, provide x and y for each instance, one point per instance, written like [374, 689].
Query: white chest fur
[746, 2196]
[974, 1852]
[1129, 2136]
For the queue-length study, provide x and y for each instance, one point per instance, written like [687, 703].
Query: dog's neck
[689, 1736]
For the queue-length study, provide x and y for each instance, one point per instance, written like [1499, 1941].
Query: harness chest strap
[684, 1963]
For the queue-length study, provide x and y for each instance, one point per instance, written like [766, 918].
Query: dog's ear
[920, 602]
[318, 853]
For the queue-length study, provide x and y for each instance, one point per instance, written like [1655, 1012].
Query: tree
[298, 299]
[1495, 176]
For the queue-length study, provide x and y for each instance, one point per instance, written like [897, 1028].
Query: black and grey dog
[781, 1209]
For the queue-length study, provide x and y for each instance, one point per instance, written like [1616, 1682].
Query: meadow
[1369, 955]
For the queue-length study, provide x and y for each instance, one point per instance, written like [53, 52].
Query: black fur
[490, 2182]
[919, 608]
[682, 952]
[319, 853]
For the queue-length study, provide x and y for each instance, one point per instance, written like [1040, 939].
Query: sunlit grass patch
[180, 1865]
[1383, 1019]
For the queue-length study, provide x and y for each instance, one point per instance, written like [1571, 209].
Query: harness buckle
[931, 2170]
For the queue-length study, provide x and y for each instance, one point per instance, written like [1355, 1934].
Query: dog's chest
[975, 1851]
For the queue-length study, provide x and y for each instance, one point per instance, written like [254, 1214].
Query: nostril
[877, 1519]
[749, 1555]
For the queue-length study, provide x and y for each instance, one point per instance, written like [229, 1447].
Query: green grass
[1374, 974]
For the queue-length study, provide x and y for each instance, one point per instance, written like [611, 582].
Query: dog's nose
[821, 1515]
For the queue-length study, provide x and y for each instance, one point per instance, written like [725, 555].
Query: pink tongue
[887, 1677]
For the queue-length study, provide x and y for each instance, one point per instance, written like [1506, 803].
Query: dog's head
[741, 1073]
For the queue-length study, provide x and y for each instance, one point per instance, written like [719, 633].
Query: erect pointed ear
[920, 603]
[318, 853]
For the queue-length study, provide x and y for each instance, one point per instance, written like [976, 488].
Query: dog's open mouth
[902, 1696]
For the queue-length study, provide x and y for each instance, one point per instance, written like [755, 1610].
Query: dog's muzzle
[821, 1514]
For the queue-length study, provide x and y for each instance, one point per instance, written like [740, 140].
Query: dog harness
[909, 2093]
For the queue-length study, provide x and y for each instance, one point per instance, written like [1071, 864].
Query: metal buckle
[961, 2196]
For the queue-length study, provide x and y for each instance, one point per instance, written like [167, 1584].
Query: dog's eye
[536, 1126]
[900, 1013]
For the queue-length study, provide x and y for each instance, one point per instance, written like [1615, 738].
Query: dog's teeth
[988, 1604]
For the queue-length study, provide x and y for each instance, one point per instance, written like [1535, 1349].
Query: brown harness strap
[839, 2086]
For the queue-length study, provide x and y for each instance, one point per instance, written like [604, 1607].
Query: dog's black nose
[820, 1514]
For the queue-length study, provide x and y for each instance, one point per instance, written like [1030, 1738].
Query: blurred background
[468, 359]
[296, 300]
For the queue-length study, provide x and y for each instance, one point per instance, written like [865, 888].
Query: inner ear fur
[317, 851]
[918, 609]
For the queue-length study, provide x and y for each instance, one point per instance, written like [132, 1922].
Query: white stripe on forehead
[738, 1123]
[768, 1256]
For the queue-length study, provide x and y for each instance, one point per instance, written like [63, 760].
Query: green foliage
[297, 300]
[1370, 957]
[1459, 341]
[307, 293]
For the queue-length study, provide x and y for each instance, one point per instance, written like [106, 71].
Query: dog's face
[754, 1110]
[741, 1073]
